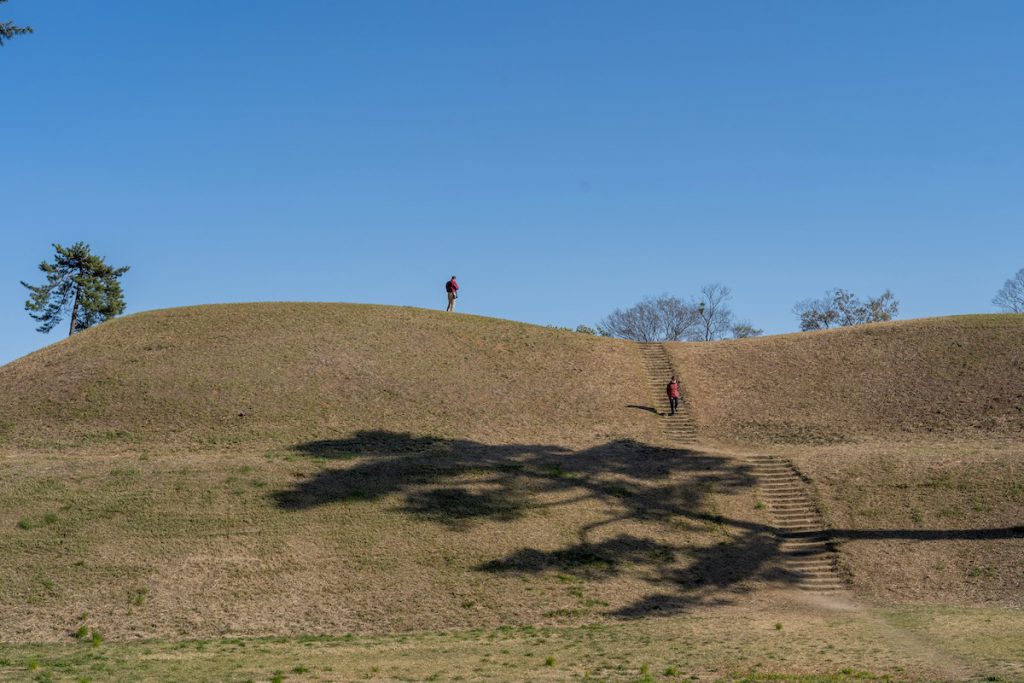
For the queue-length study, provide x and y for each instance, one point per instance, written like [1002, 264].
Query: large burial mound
[280, 373]
[958, 377]
[912, 436]
[312, 468]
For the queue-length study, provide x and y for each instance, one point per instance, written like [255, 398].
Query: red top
[451, 286]
[673, 389]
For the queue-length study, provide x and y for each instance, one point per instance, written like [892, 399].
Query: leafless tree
[842, 308]
[1011, 297]
[665, 318]
[744, 330]
[716, 319]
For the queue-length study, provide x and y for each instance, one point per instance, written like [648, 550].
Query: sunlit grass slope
[281, 372]
[960, 376]
[288, 469]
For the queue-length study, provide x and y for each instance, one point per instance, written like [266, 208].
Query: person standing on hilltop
[452, 287]
[673, 394]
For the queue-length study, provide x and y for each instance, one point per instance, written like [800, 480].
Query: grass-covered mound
[287, 372]
[295, 469]
[952, 377]
[327, 468]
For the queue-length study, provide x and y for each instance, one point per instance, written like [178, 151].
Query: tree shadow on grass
[460, 483]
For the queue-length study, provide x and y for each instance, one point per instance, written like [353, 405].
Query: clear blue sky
[563, 159]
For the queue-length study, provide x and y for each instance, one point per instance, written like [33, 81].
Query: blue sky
[564, 159]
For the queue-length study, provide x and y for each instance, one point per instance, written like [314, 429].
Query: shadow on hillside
[638, 496]
[648, 409]
[460, 483]
[994, 534]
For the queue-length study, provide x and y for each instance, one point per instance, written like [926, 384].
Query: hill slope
[283, 372]
[959, 376]
[326, 468]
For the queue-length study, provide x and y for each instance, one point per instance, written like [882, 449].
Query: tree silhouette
[8, 29]
[80, 281]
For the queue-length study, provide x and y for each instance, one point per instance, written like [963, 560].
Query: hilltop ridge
[959, 376]
[227, 374]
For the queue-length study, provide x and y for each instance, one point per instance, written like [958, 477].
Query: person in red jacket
[673, 394]
[452, 287]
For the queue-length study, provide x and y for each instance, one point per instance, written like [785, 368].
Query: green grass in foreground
[726, 645]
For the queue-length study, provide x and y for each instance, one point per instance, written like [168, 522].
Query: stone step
[812, 536]
[798, 542]
[807, 537]
[791, 524]
[816, 550]
[811, 565]
[821, 577]
[822, 580]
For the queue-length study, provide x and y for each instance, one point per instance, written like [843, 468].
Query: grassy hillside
[911, 432]
[292, 469]
[285, 373]
[961, 376]
[298, 468]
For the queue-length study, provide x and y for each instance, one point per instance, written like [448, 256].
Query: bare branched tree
[842, 308]
[878, 309]
[1011, 297]
[744, 330]
[716, 319]
[665, 318]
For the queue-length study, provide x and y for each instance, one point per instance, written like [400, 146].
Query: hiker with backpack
[452, 287]
[673, 395]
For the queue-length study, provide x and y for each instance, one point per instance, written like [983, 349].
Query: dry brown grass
[912, 434]
[960, 377]
[922, 522]
[275, 373]
[286, 469]
[409, 536]
[811, 645]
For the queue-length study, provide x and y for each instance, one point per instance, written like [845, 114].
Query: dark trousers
[673, 402]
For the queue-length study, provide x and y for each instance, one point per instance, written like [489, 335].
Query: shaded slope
[960, 376]
[285, 372]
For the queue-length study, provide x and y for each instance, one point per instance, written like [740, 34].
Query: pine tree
[8, 30]
[78, 280]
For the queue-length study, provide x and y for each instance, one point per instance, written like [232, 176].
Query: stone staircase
[804, 540]
[681, 427]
